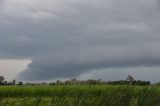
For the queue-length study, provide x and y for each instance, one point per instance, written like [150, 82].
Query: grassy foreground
[79, 95]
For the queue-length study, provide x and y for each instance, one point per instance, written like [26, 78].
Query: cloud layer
[67, 38]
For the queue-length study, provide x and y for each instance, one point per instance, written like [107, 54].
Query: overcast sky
[106, 39]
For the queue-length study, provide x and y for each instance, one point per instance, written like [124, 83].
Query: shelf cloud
[68, 38]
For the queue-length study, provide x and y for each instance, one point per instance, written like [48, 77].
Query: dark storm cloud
[68, 38]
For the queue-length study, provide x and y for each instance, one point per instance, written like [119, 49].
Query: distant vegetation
[73, 92]
[129, 81]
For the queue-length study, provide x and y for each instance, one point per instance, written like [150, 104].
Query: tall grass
[81, 95]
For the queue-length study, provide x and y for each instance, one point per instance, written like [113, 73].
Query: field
[79, 95]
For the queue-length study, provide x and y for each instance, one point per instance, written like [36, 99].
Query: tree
[58, 82]
[130, 79]
[73, 81]
[1, 80]
[20, 83]
[14, 82]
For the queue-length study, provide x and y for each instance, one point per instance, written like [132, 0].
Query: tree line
[13, 82]
[128, 81]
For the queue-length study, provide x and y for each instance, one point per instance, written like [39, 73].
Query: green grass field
[79, 95]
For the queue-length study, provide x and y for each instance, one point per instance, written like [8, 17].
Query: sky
[55, 39]
[10, 68]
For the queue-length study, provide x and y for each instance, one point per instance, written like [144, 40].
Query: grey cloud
[68, 38]
[139, 73]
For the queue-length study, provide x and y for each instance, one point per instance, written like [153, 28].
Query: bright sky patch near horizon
[10, 68]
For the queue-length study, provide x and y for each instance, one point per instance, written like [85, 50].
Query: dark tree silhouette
[2, 79]
[14, 82]
[130, 79]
